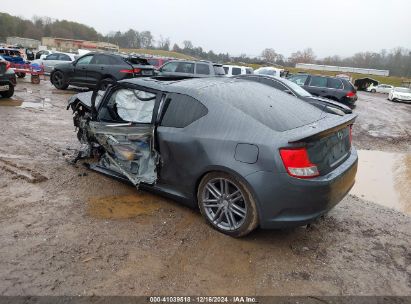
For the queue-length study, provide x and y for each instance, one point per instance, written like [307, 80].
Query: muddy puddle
[384, 178]
[123, 207]
[37, 103]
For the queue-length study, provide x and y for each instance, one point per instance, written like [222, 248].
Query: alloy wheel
[224, 204]
[58, 79]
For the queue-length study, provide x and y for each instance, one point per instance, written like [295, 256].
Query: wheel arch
[232, 172]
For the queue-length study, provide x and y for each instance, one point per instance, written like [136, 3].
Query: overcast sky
[244, 26]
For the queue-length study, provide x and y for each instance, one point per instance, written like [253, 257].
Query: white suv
[234, 70]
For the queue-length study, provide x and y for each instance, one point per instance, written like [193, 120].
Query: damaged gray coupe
[245, 154]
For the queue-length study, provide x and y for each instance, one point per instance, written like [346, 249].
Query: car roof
[190, 86]
[195, 61]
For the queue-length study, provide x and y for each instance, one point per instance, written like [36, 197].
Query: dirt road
[65, 230]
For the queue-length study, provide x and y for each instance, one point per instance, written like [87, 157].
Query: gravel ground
[65, 230]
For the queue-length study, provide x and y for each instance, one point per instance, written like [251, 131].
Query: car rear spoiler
[322, 128]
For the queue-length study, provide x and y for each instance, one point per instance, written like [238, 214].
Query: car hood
[331, 103]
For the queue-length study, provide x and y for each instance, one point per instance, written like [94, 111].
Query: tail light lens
[297, 163]
[8, 65]
[130, 71]
[350, 94]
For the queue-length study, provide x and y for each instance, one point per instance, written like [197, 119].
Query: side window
[103, 59]
[299, 79]
[317, 81]
[236, 71]
[334, 83]
[169, 67]
[133, 105]
[185, 67]
[226, 69]
[203, 69]
[248, 71]
[52, 57]
[85, 59]
[182, 110]
[64, 57]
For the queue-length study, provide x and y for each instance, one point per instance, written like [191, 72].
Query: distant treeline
[397, 60]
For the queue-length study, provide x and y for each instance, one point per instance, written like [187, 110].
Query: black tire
[373, 91]
[105, 83]
[20, 75]
[8, 93]
[225, 209]
[59, 80]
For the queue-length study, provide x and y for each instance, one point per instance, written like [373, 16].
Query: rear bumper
[284, 201]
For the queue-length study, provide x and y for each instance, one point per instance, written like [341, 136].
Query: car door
[50, 61]
[125, 129]
[79, 75]
[335, 88]
[317, 86]
[99, 66]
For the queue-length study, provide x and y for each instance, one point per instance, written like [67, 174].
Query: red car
[157, 62]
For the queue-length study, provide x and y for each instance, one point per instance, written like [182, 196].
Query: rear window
[334, 83]
[273, 108]
[236, 71]
[218, 70]
[202, 68]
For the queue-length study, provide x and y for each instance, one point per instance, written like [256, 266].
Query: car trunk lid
[328, 141]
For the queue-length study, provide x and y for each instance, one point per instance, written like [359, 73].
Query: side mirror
[157, 72]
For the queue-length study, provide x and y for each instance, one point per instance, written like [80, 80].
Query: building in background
[27, 43]
[71, 45]
[332, 68]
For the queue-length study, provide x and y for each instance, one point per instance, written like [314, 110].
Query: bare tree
[269, 55]
[164, 43]
[187, 45]
[305, 56]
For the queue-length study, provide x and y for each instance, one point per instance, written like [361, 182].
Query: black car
[190, 69]
[7, 79]
[245, 154]
[338, 89]
[291, 88]
[99, 70]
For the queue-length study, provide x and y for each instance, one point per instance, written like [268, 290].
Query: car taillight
[297, 163]
[130, 71]
[350, 94]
